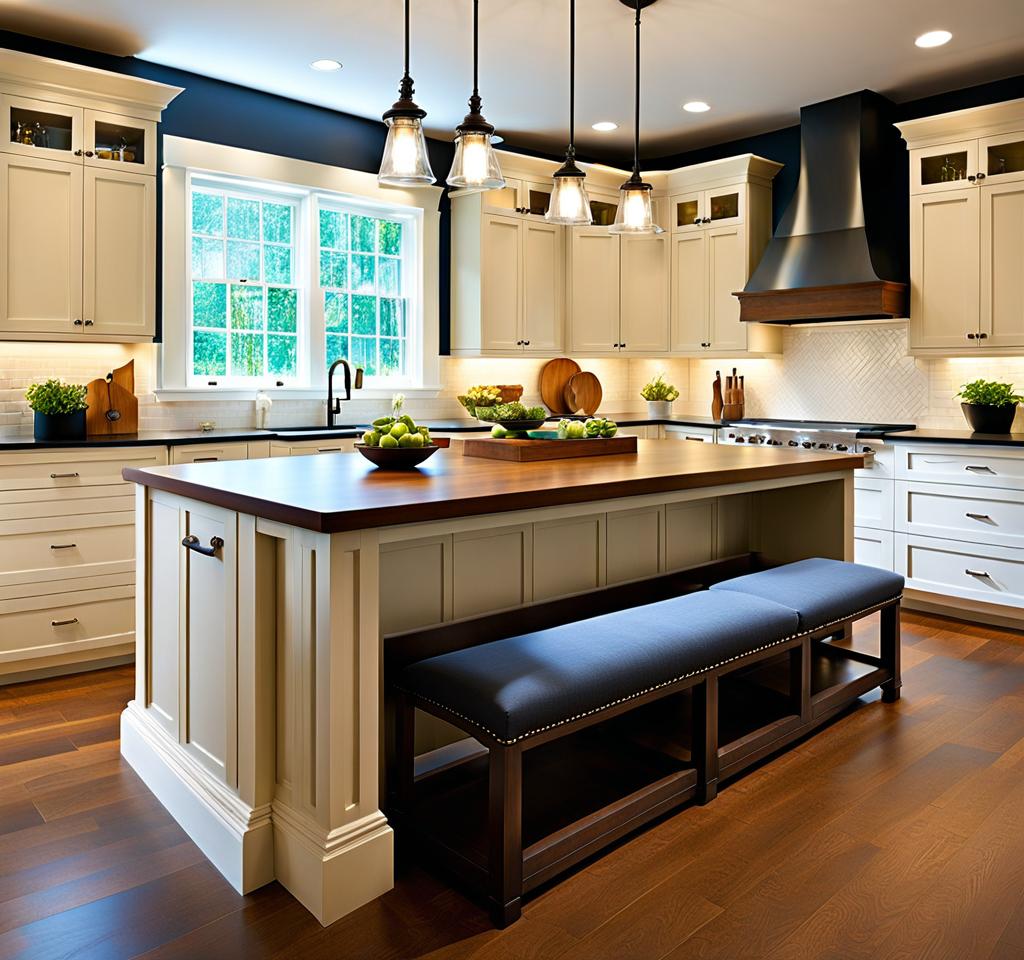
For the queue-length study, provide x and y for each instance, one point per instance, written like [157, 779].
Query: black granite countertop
[957, 436]
[241, 435]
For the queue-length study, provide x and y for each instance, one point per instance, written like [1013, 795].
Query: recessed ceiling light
[933, 38]
[326, 66]
[696, 106]
[604, 126]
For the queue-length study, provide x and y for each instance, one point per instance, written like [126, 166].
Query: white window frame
[310, 182]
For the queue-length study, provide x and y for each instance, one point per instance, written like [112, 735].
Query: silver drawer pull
[698, 439]
[63, 546]
[192, 543]
[980, 574]
[979, 516]
[977, 469]
[328, 449]
[63, 623]
[63, 476]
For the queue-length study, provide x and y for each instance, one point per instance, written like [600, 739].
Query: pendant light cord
[636, 123]
[476, 47]
[407, 37]
[572, 79]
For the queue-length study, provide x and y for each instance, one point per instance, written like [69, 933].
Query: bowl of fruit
[513, 417]
[396, 443]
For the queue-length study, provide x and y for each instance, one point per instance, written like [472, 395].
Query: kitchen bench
[567, 713]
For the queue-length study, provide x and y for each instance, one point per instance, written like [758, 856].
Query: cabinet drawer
[974, 466]
[203, 452]
[66, 623]
[872, 502]
[881, 466]
[873, 547]
[76, 548]
[73, 502]
[697, 434]
[961, 513]
[305, 448]
[971, 571]
[61, 470]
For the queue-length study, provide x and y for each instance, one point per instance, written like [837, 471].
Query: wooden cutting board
[583, 392]
[116, 395]
[528, 451]
[553, 378]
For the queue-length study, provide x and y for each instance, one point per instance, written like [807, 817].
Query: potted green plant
[659, 396]
[989, 406]
[59, 410]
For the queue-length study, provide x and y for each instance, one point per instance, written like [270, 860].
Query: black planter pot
[59, 426]
[987, 419]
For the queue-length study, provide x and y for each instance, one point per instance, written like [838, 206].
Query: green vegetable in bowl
[658, 389]
[510, 411]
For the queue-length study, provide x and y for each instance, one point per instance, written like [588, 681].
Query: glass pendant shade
[405, 163]
[634, 214]
[475, 165]
[569, 201]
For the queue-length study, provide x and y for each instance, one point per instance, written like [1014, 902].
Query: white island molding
[257, 718]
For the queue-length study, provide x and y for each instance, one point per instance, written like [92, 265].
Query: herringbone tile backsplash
[845, 372]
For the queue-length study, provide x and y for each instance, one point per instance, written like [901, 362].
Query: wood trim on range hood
[870, 300]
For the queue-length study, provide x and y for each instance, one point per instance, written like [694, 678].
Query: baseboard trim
[237, 839]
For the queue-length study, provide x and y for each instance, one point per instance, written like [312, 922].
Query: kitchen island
[267, 591]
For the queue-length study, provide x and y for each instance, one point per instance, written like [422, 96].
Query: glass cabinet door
[1002, 158]
[505, 200]
[722, 207]
[687, 212]
[42, 129]
[120, 142]
[603, 210]
[537, 198]
[951, 166]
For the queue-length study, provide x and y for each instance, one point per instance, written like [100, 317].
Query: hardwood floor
[897, 832]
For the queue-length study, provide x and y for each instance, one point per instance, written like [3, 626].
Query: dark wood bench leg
[402, 770]
[800, 678]
[505, 828]
[890, 649]
[704, 747]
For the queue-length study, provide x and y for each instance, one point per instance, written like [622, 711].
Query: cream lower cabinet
[67, 556]
[307, 448]
[209, 452]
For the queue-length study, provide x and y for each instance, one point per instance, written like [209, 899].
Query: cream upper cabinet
[508, 282]
[119, 275]
[40, 246]
[644, 322]
[77, 201]
[967, 231]
[689, 291]
[727, 273]
[594, 297]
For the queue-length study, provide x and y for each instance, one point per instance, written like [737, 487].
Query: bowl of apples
[396, 443]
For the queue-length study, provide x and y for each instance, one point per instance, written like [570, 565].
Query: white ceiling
[755, 62]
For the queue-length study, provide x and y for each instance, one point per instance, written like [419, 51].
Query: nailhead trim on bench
[640, 693]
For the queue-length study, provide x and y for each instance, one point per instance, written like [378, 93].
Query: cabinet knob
[77, 322]
[89, 153]
[972, 178]
[78, 153]
[707, 220]
[526, 343]
[982, 336]
[972, 336]
[88, 323]
[981, 176]
[696, 220]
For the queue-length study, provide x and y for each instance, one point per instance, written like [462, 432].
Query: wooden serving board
[117, 394]
[528, 451]
[553, 379]
[583, 392]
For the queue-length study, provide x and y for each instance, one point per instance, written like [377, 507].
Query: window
[364, 298]
[283, 280]
[246, 298]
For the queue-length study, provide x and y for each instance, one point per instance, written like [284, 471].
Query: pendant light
[569, 201]
[475, 164]
[405, 162]
[634, 214]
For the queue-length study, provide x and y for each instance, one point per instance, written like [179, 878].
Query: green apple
[371, 438]
[388, 442]
[411, 440]
[498, 432]
[399, 430]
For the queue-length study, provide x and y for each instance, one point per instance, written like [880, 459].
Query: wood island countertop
[340, 492]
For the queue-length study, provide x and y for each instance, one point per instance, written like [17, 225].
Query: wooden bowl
[510, 392]
[397, 458]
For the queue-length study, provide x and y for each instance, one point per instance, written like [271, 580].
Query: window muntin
[246, 296]
[364, 276]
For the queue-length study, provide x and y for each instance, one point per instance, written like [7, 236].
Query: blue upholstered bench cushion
[518, 687]
[821, 591]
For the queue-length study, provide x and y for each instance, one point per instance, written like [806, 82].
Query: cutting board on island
[530, 451]
[113, 406]
[553, 380]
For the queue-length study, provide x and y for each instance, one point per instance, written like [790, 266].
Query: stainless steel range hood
[840, 251]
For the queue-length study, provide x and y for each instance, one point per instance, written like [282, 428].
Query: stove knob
[775, 443]
[842, 447]
[793, 443]
[807, 445]
[824, 446]
[740, 440]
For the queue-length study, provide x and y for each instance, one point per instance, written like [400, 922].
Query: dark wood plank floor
[898, 832]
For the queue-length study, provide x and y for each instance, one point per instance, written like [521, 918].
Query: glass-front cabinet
[707, 208]
[526, 197]
[42, 129]
[1002, 158]
[950, 166]
[120, 143]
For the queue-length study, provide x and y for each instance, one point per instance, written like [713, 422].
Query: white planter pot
[659, 409]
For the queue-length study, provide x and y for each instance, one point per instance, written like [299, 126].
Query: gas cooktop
[875, 429]
[831, 435]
